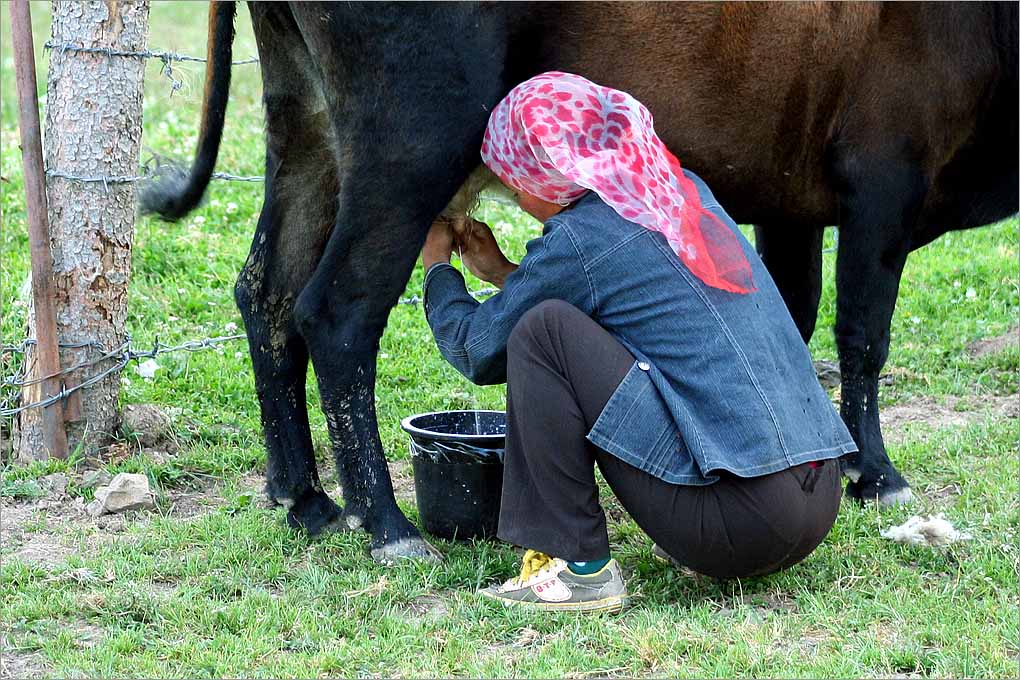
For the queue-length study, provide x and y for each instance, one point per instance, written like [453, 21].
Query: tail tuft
[169, 194]
[174, 191]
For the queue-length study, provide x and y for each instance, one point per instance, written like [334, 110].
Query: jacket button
[643, 365]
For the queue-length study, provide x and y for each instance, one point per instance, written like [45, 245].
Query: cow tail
[174, 192]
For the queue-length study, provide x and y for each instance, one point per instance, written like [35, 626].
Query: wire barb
[141, 54]
[166, 58]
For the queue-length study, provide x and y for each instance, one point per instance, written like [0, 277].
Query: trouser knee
[540, 325]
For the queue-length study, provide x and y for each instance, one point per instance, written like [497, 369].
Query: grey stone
[147, 423]
[94, 478]
[828, 374]
[126, 492]
[55, 484]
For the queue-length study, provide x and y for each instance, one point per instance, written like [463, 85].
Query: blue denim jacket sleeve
[472, 336]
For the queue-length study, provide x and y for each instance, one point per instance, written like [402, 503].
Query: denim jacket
[720, 381]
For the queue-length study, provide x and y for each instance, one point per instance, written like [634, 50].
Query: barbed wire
[107, 180]
[121, 355]
[167, 58]
[125, 353]
[143, 54]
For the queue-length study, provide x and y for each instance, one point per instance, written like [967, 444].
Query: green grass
[230, 591]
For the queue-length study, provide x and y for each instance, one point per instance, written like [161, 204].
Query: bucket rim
[406, 426]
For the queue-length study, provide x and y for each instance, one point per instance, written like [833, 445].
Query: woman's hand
[438, 244]
[482, 256]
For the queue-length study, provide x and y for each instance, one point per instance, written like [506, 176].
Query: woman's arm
[473, 336]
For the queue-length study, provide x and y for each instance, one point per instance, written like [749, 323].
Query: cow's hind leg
[409, 119]
[296, 219]
[793, 256]
[878, 210]
[383, 217]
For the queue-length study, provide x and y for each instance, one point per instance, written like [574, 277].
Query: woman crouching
[640, 333]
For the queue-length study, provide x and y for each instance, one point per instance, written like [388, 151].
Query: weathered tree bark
[93, 129]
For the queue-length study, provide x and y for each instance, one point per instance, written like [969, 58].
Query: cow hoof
[316, 513]
[902, 496]
[884, 496]
[410, 548]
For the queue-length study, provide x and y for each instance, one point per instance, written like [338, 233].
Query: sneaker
[547, 583]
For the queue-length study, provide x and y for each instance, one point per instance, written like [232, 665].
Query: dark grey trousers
[562, 368]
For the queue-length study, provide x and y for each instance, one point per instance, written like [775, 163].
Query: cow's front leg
[877, 214]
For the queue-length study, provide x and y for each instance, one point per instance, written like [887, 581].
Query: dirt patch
[814, 638]
[189, 504]
[43, 551]
[756, 606]
[19, 665]
[941, 494]
[34, 531]
[953, 412]
[986, 346]
[775, 601]
[197, 501]
[86, 635]
[14, 518]
[161, 588]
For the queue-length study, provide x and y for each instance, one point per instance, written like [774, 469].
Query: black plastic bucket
[457, 458]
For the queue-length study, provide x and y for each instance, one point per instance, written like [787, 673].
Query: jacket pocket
[636, 425]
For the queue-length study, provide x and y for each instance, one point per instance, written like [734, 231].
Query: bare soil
[17, 665]
[986, 346]
[953, 412]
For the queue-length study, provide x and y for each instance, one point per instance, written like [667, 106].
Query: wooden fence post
[47, 351]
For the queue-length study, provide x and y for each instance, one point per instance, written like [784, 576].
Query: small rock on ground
[94, 478]
[126, 492]
[147, 423]
[43, 552]
[54, 484]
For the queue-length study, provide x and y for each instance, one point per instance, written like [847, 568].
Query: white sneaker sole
[612, 605]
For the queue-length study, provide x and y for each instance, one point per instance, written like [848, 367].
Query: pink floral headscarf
[558, 135]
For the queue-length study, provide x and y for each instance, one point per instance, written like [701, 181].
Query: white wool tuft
[933, 531]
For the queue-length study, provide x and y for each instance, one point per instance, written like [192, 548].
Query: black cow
[898, 122]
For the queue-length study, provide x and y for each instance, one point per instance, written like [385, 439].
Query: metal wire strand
[121, 356]
[125, 353]
[167, 58]
[141, 54]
